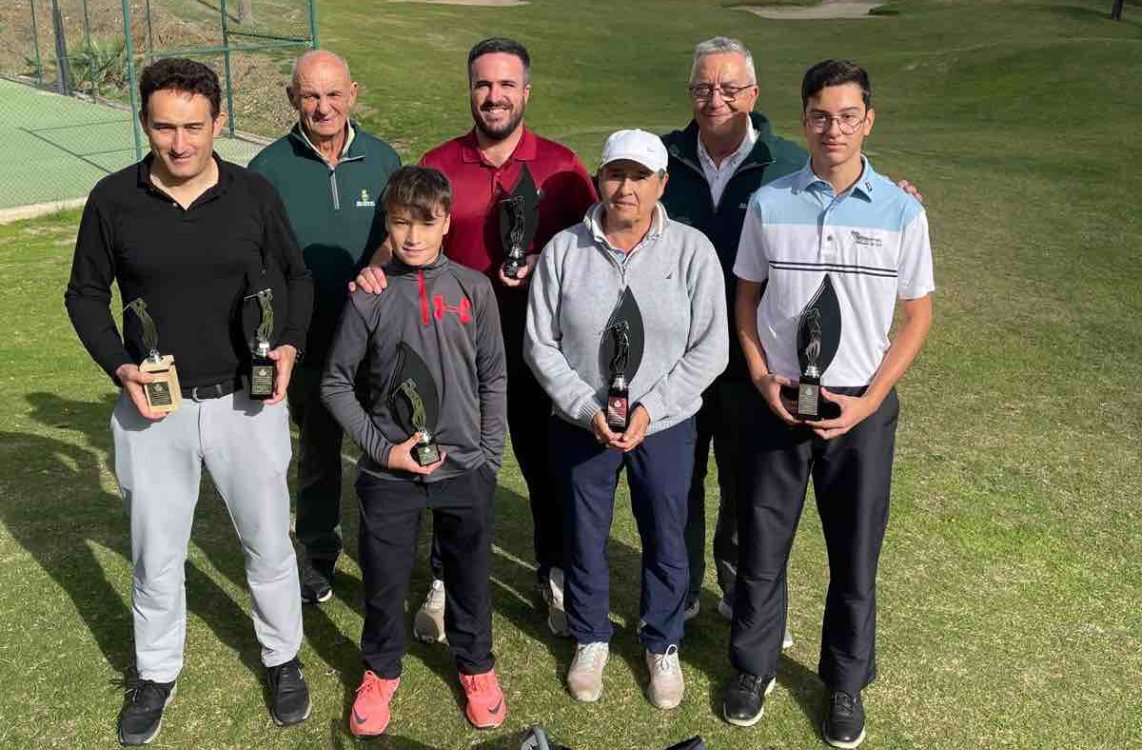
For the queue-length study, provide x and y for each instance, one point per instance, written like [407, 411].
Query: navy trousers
[851, 479]
[658, 472]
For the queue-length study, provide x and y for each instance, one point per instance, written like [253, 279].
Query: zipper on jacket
[333, 188]
[422, 290]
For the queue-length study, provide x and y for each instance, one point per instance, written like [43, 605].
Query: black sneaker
[141, 717]
[289, 696]
[317, 581]
[844, 722]
[744, 702]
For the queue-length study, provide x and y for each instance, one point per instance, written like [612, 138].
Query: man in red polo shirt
[484, 166]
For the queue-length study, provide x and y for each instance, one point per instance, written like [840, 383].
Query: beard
[501, 132]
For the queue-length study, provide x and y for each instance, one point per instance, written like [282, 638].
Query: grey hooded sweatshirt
[447, 316]
[676, 280]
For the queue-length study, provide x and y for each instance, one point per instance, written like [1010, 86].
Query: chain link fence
[68, 71]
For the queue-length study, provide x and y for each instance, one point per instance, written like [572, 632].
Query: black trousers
[390, 521]
[724, 422]
[851, 479]
[529, 410]
[318, 524]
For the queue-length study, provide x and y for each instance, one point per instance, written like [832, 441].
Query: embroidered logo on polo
[866, 240]
[364, 201]
[462, 311]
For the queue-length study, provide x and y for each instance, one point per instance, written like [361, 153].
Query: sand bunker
[487, 3]
[826, 9]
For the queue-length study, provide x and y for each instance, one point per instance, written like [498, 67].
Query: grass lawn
[1012, 571]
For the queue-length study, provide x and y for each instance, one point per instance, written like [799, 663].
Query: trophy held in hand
[163, 393]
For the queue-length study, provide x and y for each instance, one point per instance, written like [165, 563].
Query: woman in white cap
[626, 327]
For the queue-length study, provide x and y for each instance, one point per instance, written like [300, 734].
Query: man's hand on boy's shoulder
[400, 459]
[371, 280]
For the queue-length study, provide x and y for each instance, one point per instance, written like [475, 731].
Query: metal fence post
[313, 24]
[131, 82]
[90, 53]
[36, 43]
[63, 62]
[226, 64]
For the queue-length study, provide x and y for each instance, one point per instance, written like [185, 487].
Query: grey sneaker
[666, 686]
[585, 677]
[428, 625]
[553, 596]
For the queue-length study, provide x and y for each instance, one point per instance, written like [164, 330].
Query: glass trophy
[263, 371]
[426, 451]
[163, 393]
[414, 402]
[519, 216]
[618, 396]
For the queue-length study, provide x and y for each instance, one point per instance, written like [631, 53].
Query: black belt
[214, 390]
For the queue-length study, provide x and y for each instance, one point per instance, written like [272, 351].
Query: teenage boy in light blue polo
[833, 228]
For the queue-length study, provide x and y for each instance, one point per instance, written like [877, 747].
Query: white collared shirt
[344, 149]
[718, 176]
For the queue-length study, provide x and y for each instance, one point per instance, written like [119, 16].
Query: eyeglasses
[848, 122]
[705, 91]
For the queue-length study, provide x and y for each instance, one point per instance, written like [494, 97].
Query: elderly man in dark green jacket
[330, 175]
[726, 153]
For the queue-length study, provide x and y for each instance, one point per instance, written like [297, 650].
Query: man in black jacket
[193, 237]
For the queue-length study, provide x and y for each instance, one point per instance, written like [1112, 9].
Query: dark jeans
[722, 420]
[390, 521]
[318, 524]
[529, 410]
[658, 472]
[851, 479]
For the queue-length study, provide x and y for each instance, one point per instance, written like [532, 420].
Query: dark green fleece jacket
[688, 201]
[335, 213]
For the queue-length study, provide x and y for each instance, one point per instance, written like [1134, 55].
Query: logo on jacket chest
[439, 308]
[364, 201]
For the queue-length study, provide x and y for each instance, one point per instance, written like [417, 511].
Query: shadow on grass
[61, 511]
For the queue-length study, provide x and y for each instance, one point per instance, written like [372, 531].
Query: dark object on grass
[537, 739]
[1116, 10]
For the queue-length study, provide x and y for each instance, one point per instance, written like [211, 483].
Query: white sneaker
[727, 612]
[553, 596]
[666, 686]
[585, 677]
[428, 625]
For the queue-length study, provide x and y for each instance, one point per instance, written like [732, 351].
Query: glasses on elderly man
[705, 91]
[848, 122]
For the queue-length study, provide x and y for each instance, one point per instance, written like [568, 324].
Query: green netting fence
[68, 72]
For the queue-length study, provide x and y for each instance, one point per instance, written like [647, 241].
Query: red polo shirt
[566, 192]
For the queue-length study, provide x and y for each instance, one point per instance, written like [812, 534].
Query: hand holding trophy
[519, 216]
[162, 392]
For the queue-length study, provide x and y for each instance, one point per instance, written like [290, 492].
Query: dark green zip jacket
[688, 200]
[335, 213]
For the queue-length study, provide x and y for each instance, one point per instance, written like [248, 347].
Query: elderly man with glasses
[726, 153]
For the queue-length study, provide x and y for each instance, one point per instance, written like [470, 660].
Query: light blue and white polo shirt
[871, 240]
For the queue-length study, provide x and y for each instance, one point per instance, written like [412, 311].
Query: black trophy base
[426, 453]
[512, 267]
[808, 405]
[261, 378]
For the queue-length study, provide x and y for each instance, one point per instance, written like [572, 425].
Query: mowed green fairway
[1011, 578]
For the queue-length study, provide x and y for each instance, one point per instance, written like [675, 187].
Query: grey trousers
[245, 446]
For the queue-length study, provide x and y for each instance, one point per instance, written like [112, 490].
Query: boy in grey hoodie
[431, 434]
[626, 327]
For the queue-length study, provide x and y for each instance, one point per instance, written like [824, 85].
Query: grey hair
[722, 45]
[313, 53]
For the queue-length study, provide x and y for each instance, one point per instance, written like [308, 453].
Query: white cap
[635, 145]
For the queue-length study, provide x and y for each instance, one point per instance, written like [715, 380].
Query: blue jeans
[658, 472]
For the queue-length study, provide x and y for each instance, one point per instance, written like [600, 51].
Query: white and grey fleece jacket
[677, 282]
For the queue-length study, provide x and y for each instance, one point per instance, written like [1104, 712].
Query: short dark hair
[420, 190]
[501, 44]
[180, 74]
[834, 73]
